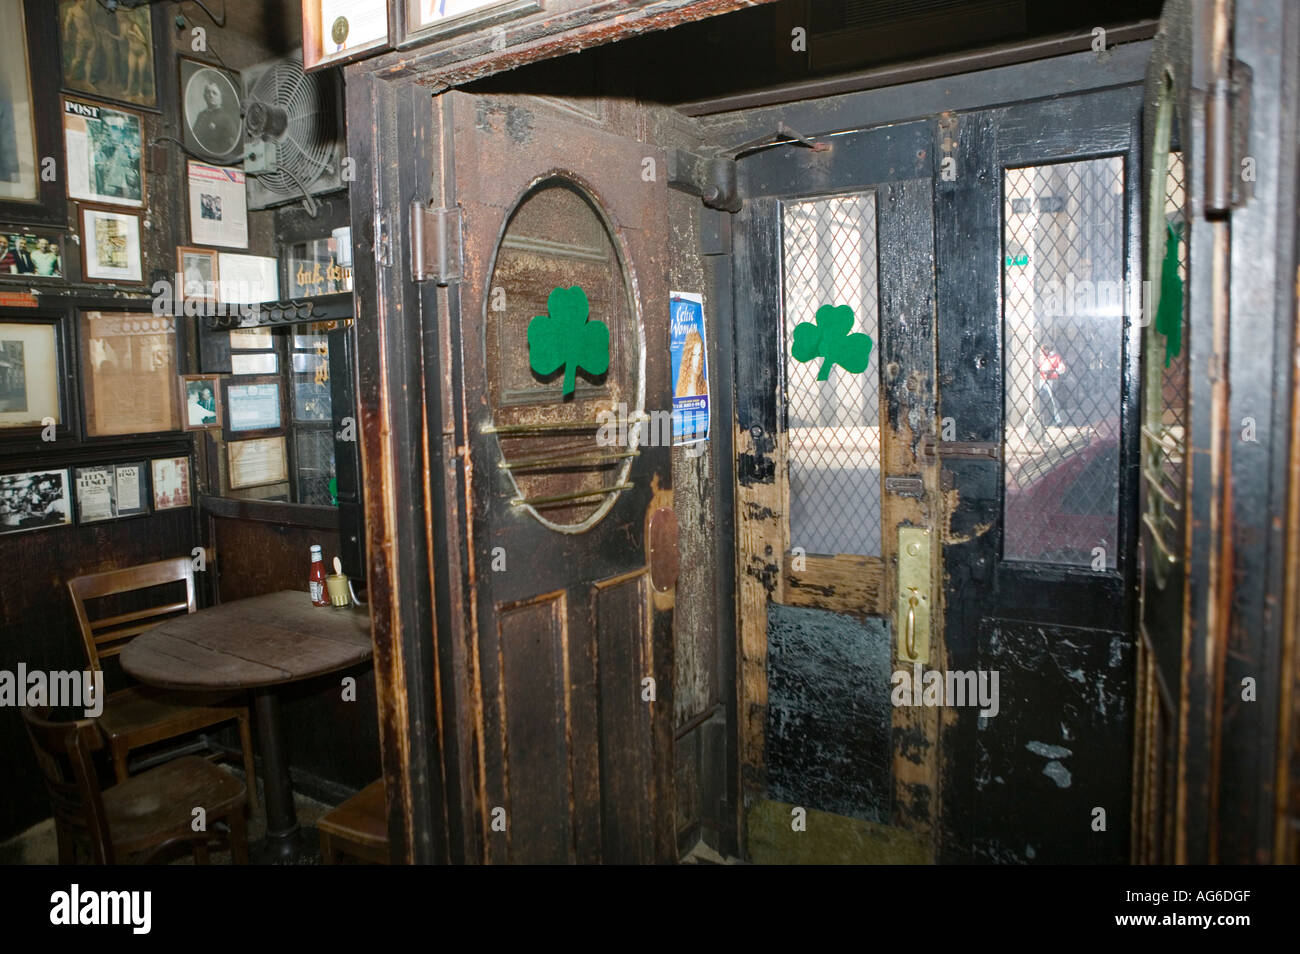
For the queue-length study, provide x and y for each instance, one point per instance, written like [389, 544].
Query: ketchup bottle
[316, 580]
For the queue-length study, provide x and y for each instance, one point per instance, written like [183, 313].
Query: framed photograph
[422, 20]
[32, 254]
[131, 488]
[201, 408]
[252, 407]
[256, 463]
[218, 205]
[104, 147]
[341, 31]
[34, 500]
[312, 268]
[128, 366]
[171, 482]
[197, 273]
[108, 53]
[28, 48]
[31, 373]
[211, 123]
[110, 246]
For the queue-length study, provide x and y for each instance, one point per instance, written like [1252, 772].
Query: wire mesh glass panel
[1063, 314]
[833, 411]
[1164, 432]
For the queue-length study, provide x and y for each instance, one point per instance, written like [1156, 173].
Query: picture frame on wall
[211, 124]
[28, 50]
[422, 20]
[342, 31]
[32, 254]
[108, 53]
[253, 407]
[35, 500]
[110, 246]
[170, 477]
[218, 199]
[33, 387]
[257, 463]
[104, 149]
[198, 274]
[95, 493]
[128, 368]
[131, 488]
[200, 396]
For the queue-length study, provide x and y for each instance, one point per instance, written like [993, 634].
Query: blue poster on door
[690, 369]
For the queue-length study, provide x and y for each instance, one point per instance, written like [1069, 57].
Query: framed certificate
[128, 366]
[253, 407]
[257, 463]
[341, 31]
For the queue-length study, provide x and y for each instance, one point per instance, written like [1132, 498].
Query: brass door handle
[911, 627]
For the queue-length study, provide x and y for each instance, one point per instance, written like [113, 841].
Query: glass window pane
[833, 425]
[314, 466]
[1063, 263]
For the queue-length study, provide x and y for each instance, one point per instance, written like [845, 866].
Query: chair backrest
[108, 636]
[63, 752]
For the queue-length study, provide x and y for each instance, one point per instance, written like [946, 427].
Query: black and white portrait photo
[33, 500]
[13, 376]
[213, 125]
[210, 207]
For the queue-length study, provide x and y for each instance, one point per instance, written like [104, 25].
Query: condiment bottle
[316, 580]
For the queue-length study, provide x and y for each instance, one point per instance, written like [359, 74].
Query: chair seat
[162, 801]
[362, 819]
[141, 715]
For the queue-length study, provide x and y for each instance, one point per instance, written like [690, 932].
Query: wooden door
[1215, 738]
[559, 324]
[834, 245]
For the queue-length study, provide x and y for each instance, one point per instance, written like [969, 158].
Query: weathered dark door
[1038, 354]
[991, 255]
[1218, 438]
[559, 325]
[834, 393]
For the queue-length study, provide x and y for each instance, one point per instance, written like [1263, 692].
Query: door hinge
[435, 244]
[712, 178]
[980, 450]
[1229, 169]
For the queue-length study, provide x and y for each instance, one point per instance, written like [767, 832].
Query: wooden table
[259, 644]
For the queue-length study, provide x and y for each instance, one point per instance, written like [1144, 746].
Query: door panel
[575, 752]
[820, 444]
[1036, 247]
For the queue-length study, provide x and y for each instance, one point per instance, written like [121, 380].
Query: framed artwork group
[44, 498]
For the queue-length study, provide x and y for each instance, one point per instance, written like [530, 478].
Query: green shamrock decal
[564, 338]
[830, 340]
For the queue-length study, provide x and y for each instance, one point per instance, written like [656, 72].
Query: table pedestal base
[299, 847]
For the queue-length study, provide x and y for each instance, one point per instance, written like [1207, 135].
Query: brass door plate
[913, 594]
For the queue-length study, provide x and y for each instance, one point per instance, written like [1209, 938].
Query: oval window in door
[563, 347]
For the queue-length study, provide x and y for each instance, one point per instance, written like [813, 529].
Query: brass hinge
[435, 244]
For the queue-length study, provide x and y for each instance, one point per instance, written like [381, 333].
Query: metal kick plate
[913, 595]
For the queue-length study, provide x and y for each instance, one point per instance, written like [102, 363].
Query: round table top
[260, 641]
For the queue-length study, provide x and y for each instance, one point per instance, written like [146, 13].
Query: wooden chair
[142, 715]
[358, 828]
[142, 816]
